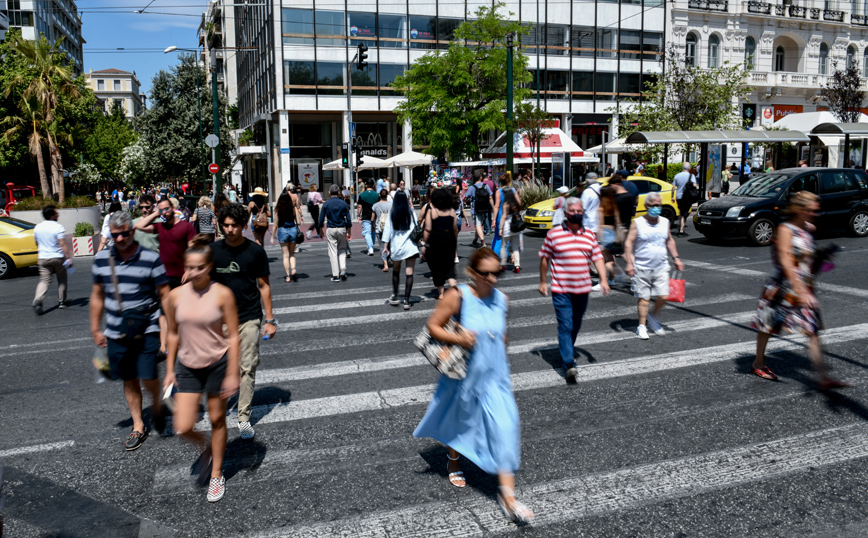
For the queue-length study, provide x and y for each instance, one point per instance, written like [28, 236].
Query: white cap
[563, 189]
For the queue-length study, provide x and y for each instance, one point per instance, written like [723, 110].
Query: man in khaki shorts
[242, 266]
[645, 249]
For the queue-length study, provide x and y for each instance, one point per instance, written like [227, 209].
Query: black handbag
[134, 321]
[516, 223]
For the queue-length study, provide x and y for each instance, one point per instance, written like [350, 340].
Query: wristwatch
[272, 321]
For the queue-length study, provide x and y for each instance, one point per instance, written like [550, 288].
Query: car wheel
[859, 223]
[761, 232]
[6, 266]
[668, 214]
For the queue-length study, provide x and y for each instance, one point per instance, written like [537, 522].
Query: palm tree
[55, 135]
[31, 122]
[48, 78]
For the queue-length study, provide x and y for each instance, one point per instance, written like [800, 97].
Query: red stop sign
[213, 168]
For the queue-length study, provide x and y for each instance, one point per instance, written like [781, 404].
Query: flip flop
[764, 373]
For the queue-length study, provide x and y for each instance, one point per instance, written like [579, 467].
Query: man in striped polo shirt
[132, 352]
[570, 249]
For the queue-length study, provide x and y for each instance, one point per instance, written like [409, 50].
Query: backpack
[483, 201]
[261, 220]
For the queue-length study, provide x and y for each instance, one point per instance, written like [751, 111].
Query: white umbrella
[334, 165]
[615, 146]
[369, 163]
[411, 159]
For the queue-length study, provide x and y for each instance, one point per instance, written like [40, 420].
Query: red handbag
[676, 288]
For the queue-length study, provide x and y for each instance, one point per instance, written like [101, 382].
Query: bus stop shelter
[846, 130]
[704, 138]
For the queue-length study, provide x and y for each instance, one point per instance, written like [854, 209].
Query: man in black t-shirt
[367, 199]
[242, 266]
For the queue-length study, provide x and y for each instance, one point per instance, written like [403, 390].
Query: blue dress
[477, 416]
[495, 243]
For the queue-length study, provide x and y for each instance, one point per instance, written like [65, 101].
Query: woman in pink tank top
[207, 359]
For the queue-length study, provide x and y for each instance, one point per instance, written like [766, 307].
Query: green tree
[455, 95]
[15, 154]
[686, 98]
[47, 78]
[531, 122]
[29, 123]
[844, 93]
[170, 126]
[133, 165]
[104, 144]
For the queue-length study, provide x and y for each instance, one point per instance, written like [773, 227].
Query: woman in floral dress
[788, 303]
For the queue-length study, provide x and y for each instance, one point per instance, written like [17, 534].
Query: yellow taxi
[539, 216]
[17, 245]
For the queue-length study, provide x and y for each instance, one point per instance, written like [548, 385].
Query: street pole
[509, 135]
[350, 161]
[201, 137]
[603, 147]
[213, 175]
[216, 106]
[538, 142]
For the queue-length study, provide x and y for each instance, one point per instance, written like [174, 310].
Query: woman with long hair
[381, 215]
[399, 245]
[440, 239]
[505, 181]
[258, 204]
[510, 207]
[788, 303]
[205, 216]
[286, 227]
[314, 200]
[477, 416]
[201, 359]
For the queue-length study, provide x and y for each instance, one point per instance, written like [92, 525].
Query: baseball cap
[563, 189]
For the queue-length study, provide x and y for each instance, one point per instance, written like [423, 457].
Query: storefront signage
[416, 34]
[380, 152]
[768, 115]
[308, 174]
[782, 111]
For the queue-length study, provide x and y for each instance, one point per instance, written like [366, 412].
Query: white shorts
[649, 283]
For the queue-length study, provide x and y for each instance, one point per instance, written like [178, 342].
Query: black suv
[755, 209]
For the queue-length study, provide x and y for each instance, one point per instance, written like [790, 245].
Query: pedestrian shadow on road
[553, 357]
[243, 455]
[264, 396]
[476, 478]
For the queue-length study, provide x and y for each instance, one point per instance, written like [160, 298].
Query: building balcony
[709, 5]
[859, 20]
[774, 9]
[781, 79]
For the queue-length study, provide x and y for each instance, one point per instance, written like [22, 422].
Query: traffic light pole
[509, 135]
[350, 160]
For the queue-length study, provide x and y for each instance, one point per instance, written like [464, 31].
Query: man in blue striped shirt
[141, 287]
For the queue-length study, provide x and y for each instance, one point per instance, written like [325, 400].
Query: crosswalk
[669, 422]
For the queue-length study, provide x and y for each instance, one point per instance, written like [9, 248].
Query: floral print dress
[776, 310]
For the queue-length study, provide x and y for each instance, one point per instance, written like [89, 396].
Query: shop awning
[714, 137]
[841, 129]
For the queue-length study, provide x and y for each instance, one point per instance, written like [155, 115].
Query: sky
[111, 24]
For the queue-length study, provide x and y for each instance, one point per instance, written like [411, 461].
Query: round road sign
[213, 168]
[212, 141]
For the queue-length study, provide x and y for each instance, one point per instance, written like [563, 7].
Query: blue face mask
[655, 211]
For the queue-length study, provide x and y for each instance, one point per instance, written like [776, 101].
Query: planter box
[85, 246]
[68, 217]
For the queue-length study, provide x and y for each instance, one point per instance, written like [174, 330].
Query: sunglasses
[123, 234]
[653, 205]
[488, 273]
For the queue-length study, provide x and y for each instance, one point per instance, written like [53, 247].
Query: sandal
[287, 278]
[385, 269]
[764, 373]
[829, 383]
[456, 478]
[519, 513]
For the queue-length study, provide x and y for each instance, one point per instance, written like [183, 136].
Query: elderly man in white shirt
[54, 257]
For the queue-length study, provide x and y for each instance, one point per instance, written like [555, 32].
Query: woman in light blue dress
[477, 416]
[400, 247]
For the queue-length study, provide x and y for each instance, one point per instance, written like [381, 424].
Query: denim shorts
[287, 234]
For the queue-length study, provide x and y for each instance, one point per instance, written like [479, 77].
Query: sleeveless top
[650, 250]
[200, 326]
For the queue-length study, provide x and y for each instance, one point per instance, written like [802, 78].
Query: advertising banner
[308, 174]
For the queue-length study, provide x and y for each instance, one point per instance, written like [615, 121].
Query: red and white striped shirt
[571, 254]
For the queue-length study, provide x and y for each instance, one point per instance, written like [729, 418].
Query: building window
[100, 85]
[865, 63]
[605, 86]
[388, 74]
[652, 45]
[422, 32]
[607, 43]
[446, 30]
[365, 80]
[331, 28]
[713, 52]
[297, 26]
[555, 39]
[583, 85]
[298, 78]
[750, 52]
[582, 41]
[558, 85]
[117, 86]
[330, 78]
[630, 44]
[851, 56]
[779, 58]
[629, 85]
[393, 31]
[824, 59]
[690, 50]
[363, 25]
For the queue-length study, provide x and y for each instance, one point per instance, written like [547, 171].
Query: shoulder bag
[449, 359]
[261, 220]
[134, 321]
[417, 233]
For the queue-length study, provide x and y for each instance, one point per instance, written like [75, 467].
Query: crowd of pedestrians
[196, 293]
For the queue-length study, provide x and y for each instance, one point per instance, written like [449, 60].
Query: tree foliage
[133, 165]
[531, 121]
[843, 94]
[170, 126]
[686, 98]
[104, 144]
[456, 94]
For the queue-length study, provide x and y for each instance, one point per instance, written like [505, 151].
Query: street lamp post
[199, 104]
[509, 115]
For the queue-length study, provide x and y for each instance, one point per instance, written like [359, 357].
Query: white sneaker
[246, 430]
[307, 234]
[596, 287]
[655, 326]
[456, 259]
[642, 333]
[370, 252]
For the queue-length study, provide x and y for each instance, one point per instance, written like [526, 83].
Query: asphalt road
[669, 437]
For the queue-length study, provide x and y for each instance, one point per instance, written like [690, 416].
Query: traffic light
[359, 159]
[363, 57]
[345, 155]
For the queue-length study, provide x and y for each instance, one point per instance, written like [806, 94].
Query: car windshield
[17, 223]
[764, 186]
